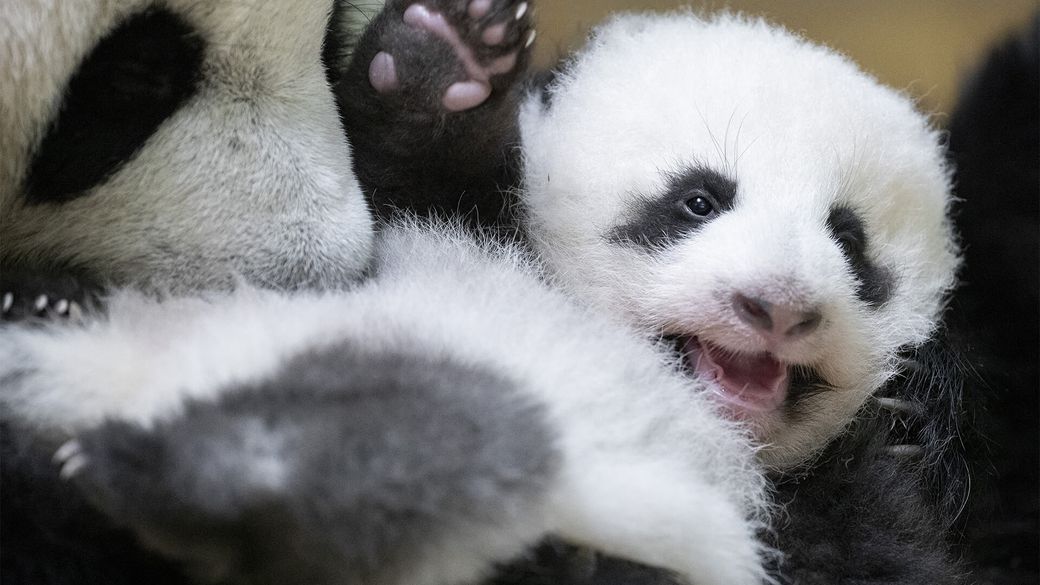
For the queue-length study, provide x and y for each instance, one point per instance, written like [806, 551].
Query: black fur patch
[658, 221]
[411, 155]
[860, 517]
[50, 535]
[875, 282]
[132, 81]
[381, 454]
[995, 142]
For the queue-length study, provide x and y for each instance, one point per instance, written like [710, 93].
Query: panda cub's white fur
[648, 470]
[756, 198]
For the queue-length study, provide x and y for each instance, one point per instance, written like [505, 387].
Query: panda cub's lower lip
[747, 383]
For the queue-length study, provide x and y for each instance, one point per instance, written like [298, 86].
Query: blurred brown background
[923, 46]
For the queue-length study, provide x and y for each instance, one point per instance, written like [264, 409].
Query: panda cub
[781, 219]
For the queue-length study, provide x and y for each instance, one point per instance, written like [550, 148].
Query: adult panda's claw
[71, 458]
[40, 304]
[8, 302]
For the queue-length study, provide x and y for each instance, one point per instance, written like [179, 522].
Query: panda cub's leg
[429, 104]
[27, 295]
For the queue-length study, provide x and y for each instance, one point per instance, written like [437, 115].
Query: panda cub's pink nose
[773, 319]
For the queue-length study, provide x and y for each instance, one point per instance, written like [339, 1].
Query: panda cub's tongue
[752, 383]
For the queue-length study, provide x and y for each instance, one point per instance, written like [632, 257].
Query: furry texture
[641, 465]
[174, 147]
[827, 200]
[411, 152]
[995, 144]
[249, 175]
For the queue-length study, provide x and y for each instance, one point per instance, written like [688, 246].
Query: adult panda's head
[757, 199]
[175, 145]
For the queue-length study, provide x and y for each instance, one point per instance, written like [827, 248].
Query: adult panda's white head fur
[175, 144]
[753, 196]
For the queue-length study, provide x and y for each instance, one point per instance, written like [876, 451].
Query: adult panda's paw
[451, 53]
[40, 296]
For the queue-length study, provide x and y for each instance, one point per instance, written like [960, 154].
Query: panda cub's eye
[700, 205]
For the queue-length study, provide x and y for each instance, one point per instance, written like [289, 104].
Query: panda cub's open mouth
[748, 384]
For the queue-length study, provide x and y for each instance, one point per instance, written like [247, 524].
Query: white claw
[8, 301]
[66, 451]
[40, 304]
[62, 307]
[521, 10]
[73, 466]
[75, 312]
[71, 458]
[530, 38]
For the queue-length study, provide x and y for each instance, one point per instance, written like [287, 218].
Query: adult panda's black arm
[994, 140]
[411, 151]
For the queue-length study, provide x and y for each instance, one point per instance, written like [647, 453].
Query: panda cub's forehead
[795, 129]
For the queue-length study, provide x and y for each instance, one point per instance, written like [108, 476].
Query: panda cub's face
[751, 197]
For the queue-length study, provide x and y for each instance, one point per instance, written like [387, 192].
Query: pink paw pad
[382, 73]
[473, 91]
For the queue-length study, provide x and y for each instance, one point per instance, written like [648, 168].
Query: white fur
[251, 176]
[799, 128]
[649, 470]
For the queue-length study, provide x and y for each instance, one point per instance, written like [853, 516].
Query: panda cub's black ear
[541, 84]
[133, 80]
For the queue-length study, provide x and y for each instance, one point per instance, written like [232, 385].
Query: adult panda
[782, 218]
[169, 146]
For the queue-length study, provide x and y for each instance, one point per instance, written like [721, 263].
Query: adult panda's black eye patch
[875, 282]
[132, 81]
[692, 197]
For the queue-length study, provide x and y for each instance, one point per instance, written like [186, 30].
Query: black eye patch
[875, 282]
[692, 198]
[133, 80]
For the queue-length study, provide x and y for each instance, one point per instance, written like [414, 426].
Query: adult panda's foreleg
[429, 104]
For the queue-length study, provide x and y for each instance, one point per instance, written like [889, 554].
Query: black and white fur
[758, 199]
[826, 199]
[170, 147]
[175, 146]
[394, 434]
[194, 146]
